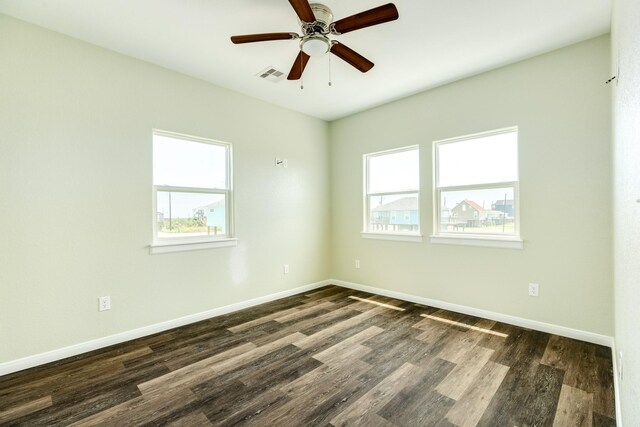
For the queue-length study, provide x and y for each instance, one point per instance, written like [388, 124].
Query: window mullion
[478, 186]
[190, 189]
[393, 193]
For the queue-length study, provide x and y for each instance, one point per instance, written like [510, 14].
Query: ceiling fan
[316, 22]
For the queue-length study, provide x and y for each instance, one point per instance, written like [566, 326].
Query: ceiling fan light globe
[315, 46]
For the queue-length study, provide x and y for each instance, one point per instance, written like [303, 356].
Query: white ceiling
[432, 43]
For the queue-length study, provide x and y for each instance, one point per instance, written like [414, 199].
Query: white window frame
[411, 236]
[187, 243]
[499, 240]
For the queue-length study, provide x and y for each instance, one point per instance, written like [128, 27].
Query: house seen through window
[392, 183]
[192, 188]
[476, 185]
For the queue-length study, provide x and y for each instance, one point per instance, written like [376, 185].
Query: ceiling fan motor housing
[324, 18]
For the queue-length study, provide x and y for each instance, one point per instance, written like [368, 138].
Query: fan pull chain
[301, 74]
[329, 68]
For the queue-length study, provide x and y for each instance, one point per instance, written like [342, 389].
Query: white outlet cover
[534, 289]
[104, 303]
[285, 269]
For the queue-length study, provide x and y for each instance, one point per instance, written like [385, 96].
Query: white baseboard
[505, 318]
[74, 350]
[616, 384]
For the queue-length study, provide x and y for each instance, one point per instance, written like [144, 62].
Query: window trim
[187, 243]
[399, 236]
[388, 235]
[512, 240]
[191, 246]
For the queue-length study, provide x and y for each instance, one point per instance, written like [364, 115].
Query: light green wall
[75, 204]
[626, 128]
[562, 107]
[75, 170]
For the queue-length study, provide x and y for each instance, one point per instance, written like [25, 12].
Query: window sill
[392, 236]
[163, 248]
[487, 242]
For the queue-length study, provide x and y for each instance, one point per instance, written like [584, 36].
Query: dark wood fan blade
[303, 10]
[265, 37]
[375, 16]
[352, 57]
[298, 66]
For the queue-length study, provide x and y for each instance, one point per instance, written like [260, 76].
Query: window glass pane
[481, 160]
[183, 163]
[190, 214]
[394, 172]
[393, 213]
[487, 211]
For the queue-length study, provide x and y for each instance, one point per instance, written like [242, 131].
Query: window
[192, 190]
[476, 187]
[392, 183]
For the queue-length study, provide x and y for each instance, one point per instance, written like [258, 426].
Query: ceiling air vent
[271, 74]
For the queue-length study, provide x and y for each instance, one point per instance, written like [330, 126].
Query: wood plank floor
[332, 357]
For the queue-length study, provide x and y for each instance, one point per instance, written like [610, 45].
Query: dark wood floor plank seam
[220, 364]
[25, 409]
[378, 396]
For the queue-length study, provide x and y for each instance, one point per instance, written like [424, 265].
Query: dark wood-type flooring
[331, 357]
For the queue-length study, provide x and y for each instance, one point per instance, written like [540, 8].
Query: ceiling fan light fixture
[316, 25]
[315, 45]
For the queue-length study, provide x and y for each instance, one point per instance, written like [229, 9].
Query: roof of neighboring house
[473, 204]
[404, 204]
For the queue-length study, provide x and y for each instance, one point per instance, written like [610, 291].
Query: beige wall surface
[625, 48]
[562, 107]
[76, 199]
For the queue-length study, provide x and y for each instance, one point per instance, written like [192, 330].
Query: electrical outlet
[104, 303]
[357, 263]
[534, 289]
[285, 269]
